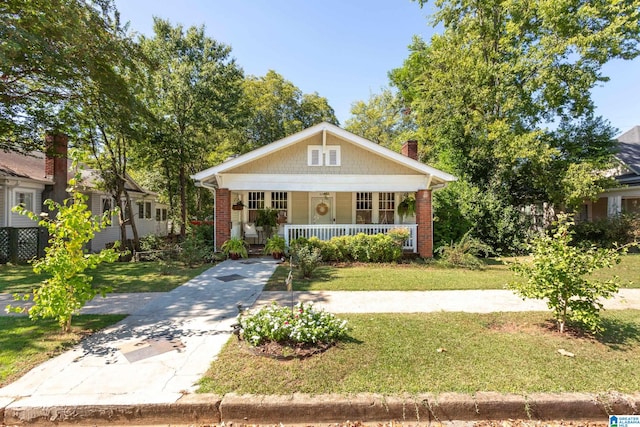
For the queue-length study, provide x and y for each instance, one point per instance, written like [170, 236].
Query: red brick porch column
[223, 216]
[425, 224]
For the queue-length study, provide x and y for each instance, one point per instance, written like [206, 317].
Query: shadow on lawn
[619, 335]
[277, 281]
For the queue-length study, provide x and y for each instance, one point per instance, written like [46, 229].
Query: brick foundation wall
[425, 224]
[223, 216]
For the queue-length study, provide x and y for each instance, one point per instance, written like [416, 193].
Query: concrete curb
[307, 409]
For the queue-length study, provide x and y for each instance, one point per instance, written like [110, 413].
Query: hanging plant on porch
[238, 206]
[407, 206]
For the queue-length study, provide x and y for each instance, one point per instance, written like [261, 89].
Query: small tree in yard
[559, 272]
[68, 288]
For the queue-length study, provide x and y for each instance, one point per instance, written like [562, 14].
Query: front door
[321, 210]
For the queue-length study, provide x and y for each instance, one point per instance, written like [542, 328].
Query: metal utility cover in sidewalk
[148, 348]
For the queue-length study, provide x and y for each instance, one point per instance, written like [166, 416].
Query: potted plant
[235, 248]
[238, 205]
[267, 218]
[275, 246]
[407, 206]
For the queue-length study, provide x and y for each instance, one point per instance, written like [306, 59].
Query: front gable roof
[214, 175]
[629, 149]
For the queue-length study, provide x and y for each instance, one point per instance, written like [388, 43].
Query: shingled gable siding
[294, 160]
[223, 216]
[425, 227]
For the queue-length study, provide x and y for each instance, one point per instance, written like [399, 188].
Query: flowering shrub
[360, 247]
[303, 324]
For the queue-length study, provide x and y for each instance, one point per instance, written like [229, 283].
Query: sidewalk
[145, 368]
[155, 355]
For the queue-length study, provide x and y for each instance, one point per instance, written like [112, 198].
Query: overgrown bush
[464, 253]
[608, 232]
[151, 242]
[204, 233]
[307, 258]
[194, 251]
[302, 324]
[462, 207]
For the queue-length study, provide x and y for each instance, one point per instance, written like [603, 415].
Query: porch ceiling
[337, 183]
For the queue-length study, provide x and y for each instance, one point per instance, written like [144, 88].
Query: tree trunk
[134, 227]
[67, 326]
[183, 200]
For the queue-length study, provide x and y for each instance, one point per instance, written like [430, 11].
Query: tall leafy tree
[110, 122]
[383, 119]
[194, 92]
[48, 50]
[277, 108]
[485, 89]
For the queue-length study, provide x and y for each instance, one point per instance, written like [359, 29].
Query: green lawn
[421, 277]
[398, 353]
[121, 276]
[25, 343]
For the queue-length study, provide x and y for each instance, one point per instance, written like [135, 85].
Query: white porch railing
[326, 232]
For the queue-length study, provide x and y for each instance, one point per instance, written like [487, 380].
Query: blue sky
[342, 49]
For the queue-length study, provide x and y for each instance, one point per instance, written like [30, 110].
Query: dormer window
[331, 157]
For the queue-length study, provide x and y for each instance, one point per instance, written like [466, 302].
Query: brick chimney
[56, 165]
[410, 149]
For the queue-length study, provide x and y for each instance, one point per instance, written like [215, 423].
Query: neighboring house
[325, 181]
[29, 179]
[626, 197]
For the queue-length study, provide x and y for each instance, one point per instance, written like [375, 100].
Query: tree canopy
[50, 49]
[502, 95]
[382, 119]
[194, 90]
[277, 108]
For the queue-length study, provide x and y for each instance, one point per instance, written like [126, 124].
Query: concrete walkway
[156, 354]
[472, 301]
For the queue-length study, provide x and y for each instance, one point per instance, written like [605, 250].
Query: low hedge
[360, 247]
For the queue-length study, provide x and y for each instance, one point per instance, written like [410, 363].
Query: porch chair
[249, 230]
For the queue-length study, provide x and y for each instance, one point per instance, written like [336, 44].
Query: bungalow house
[626, 197]
[324, 182]
[29, 179]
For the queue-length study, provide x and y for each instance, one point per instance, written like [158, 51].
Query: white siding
[17, 220]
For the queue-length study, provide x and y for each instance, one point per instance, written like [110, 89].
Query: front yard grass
[25, 343]
[121, 276]
[423, 277]
[399, 353]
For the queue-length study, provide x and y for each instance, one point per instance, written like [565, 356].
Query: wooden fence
[19, 245]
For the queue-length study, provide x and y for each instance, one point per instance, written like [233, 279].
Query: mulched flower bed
[288, 351]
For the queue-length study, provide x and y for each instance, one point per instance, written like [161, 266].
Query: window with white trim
[315, 157]
[25, 198]
[279, 201]
[161, 214]
[107, 204]
[333, 155]
[386, 208]
[364, 208]
[254, 203]
[144, 210]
